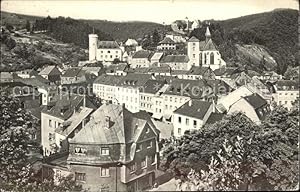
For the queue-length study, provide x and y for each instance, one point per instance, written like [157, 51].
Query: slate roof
[193, 39]
[198, 70]
[256, 101]
[161, 69]
[198, 109]
[134, 80]
[188, 88]
[124, 126]
[167, 40]
[108, 45]
[214, 117]
[72, 72]
[153, 86]
[48, 70]
[175, 59]
[157, 56]
[209, 46]
[69, 102]
[142, 54]
[112, 80]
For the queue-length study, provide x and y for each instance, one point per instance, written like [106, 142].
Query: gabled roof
[104, 79]
[117, 67]
[197, 109]
[142, 54]
[188, 88]
[50, 70]
[193, 39]
[167, 40]
[124, 126]
[153, 86]
[175, 59]
[209, 46]
[69, 102]
[72, 72]
[198, 70]
[256, 101]
[214, 117]
[134, 80]
[108, 45]
[157, 55]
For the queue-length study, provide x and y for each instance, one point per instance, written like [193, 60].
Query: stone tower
[93, 39]
[193, 51]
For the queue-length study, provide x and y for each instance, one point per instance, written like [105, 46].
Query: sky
[160, 11]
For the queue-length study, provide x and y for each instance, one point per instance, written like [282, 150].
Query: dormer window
[106, 122]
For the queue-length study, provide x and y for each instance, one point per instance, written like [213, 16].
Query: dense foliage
[17, 173]
[69, 30]
[265, 156]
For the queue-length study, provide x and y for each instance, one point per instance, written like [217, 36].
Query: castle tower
[93, 39]
[193, 51]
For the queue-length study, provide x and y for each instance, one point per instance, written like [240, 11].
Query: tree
[266, 158]
[155, 38]
[28, 27]
[16, 171]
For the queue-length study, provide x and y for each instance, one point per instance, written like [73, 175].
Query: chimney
[84, 100]
[190, 103]
[213, 106]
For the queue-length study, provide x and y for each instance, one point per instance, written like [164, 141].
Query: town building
[196, 24]
[197, 72]
[191, 116]
[176, 62]
[129, 88]
[116, 151]
[204, 53]
[106, 51]
[140, 59]
[156, 58]
[27, 73]
[176, 37]
[52, 73]
[253, 106]
[117, 69]
[104, 87]
[152, 88]
[73, 75]
[131, 43]
[286, 93]
[166, 44]
[61, 119]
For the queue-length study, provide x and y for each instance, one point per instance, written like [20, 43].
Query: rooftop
[108, 45]
[142, 54]
[256, 101]
[166, 40]
[194, 108]
[108, 79]
[175, 59]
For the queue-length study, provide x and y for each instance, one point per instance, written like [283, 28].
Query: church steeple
[207, 34]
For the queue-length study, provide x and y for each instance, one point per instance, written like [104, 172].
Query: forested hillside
[274, 31]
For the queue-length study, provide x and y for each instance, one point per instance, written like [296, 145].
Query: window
[104, 171]
[187, 121]
[194, 55]
[285, 102]
[80, 151]
[132, 167]
[149, 144]
[51, 136]
[152, 159]
[195, 123]
[104, 151]
[144, 163]
[138, 147]
[50, 123]
[179, 119]
[108, 51]
[79, 176]
[179, 131]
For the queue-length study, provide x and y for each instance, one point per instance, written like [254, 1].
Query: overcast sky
[136, 10]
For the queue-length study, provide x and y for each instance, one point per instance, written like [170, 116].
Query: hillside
[26, 51]
[273, 32]
[121, 31]
[17, 20]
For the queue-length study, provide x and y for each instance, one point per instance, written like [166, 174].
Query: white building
[191, 116]
[176, 62]
[140, 59]
[129, 88]
[131, 42]
[286, 93]
[204, 53]
[166, 44]
[105, 87]
[106, 51]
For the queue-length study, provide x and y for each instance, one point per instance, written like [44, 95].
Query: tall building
[116, 151]
[204, 53]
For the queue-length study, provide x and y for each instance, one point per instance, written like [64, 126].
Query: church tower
[207, 35]
[193, 51]
[93, 39]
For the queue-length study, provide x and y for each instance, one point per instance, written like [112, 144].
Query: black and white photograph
[149, 95]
